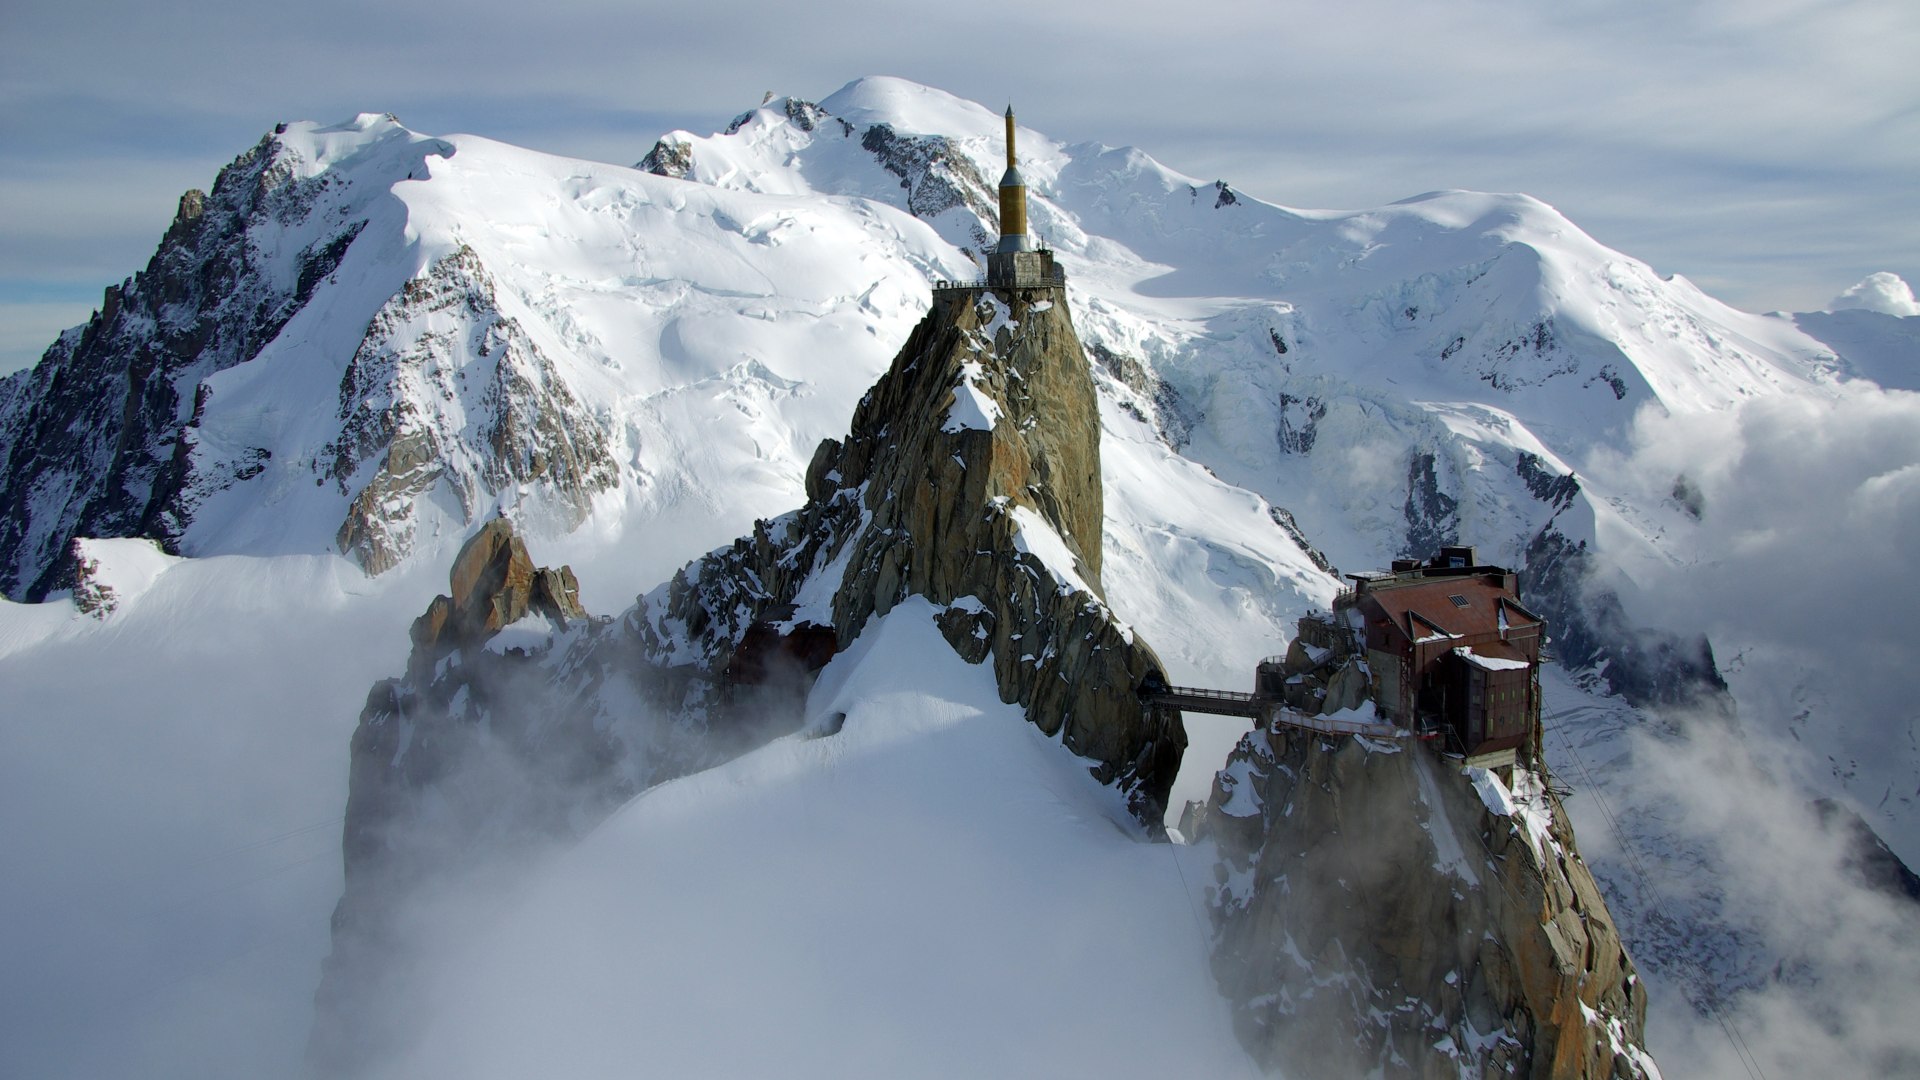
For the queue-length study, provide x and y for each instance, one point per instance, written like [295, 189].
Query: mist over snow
[1807, 509]
[934, 890]
[172, 779]
[1811, 970]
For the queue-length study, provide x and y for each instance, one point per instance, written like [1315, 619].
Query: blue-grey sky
[1766, 149]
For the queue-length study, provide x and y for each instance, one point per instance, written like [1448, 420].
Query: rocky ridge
[936, 175]
[1503, 962]
[995, 512]
[518, 721]
[96, 439]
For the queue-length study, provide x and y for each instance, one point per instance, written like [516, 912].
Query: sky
[1765, 149]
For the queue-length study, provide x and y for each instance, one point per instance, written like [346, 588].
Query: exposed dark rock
[1688, 497]
[524, 425]
[1299, 423]
[912, 503]
[95, 438]
[520, 720]
[1555, 489]
[478, 755]
[937, 176]
[1432, 515]
[1647, 667]
[668, 158]
[1284, 518]
[90, 594]
[1613, 382]
[1158, 403]
[1376, 918]
[1867, 855]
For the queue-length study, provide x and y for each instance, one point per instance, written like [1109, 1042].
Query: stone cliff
[1383, 911]
[971, 477]
[447, 394]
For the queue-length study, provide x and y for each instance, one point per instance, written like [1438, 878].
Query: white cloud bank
[1799, 570]
[1883, 292]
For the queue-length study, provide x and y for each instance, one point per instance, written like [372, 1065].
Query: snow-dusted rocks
[999, 521]
[109, 573]
[369, 341]
[505, 731]
[1381, 908]
[447, 397]
[101, 438]
[519, 717]
[1381, 913]
[1459, 365]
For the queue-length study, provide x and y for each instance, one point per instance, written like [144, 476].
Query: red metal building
[1451, 650]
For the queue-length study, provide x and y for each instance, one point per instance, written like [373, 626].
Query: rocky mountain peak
[448, 393]
[971, 476]
[99, 438]
[494, 585]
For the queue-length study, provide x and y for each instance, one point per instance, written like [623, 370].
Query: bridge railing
[1271, 711]
[1204, 693]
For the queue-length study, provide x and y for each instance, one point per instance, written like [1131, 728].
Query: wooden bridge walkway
[1267, 709]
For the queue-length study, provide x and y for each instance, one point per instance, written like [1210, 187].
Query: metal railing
[1271, 711]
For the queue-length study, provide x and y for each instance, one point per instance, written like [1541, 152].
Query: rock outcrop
[521, 720]
[1381, 913]
[1383, 910]
[936, 175]
[971, 477]
[447, 393]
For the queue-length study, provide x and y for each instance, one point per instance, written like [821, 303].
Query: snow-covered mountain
[366, 341]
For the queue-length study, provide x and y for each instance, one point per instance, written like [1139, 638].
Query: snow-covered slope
[653, 320]
[935, 890]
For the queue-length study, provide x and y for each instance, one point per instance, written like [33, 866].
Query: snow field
[936, 890]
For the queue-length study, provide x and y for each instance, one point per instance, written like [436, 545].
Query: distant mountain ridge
[1259, 319]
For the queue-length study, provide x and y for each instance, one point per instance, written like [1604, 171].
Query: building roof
[1463, 606]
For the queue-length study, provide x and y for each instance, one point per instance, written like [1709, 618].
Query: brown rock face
[1377, 918]
[971, 477]
[494, 584]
